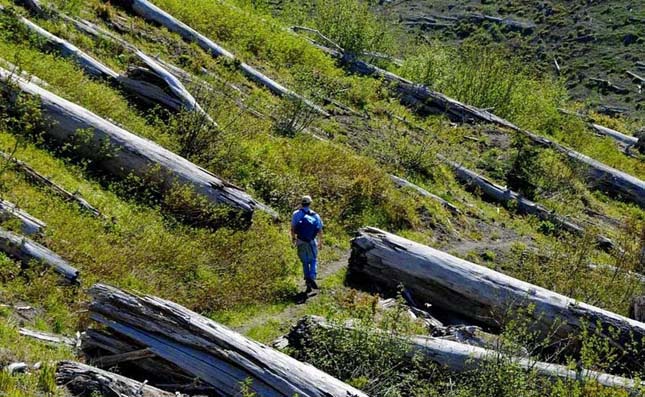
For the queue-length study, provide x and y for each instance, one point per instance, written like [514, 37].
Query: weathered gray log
[15, 368]
[95, 343]
[26, 251]
[135, 355]
[132, 154]
[428, 101]
[85, 381]
[29, 225]
[506, 196]
[207, 350]
[618, 136]
[479, 293]
[165, 89]
[36, 178]
[17, 70]
[637, 308]
[90, 65]
[48, 338]
[459, 357]
[150, 12]
[402, 183]
[636, 76]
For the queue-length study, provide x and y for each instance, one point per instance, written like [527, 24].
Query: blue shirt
[297, 216]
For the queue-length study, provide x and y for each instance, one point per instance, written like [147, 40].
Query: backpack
[307, 227]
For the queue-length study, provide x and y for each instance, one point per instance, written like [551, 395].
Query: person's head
[306, 201]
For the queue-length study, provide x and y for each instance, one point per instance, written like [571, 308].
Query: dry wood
[132, 154]
[135, 355]
[402, 183]
[83, 380]
[26, 251]
[49, 338]
[39, 179]
[425, 100]
[459, 357]
[637, 308]
[150, 12]
[636, 77]
[506, 196]
[479, 293]
[618, 136]
[205, 349]
[29, 225]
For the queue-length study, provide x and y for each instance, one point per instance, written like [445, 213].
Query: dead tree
[425, 100]
[459, 357]
[152, 13]
[206, 350]
[26, 251]
[479, 293]
[402, 183]
[85, 381]
[506, 196]
[36, 178]
[129, 154]
[29, 225]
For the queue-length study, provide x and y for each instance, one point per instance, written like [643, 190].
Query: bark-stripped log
[506, 196]
[402, 183]
[26, 251]
[133, 154]
[459, 357]
[49, 338]
[618, 136]
[207, 350]
[85, 381]
[484, 295]
[67, 50]
[36, 178]
[424, 99]
[29, 225]
[150, 12]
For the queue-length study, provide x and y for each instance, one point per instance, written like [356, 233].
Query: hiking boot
[309, 286]
[314, 285]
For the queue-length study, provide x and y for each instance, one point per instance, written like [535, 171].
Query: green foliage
[348, 23]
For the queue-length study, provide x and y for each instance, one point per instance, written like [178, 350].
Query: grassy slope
[145, 250]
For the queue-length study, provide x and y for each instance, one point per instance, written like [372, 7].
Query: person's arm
[293, 235]
[320, 238]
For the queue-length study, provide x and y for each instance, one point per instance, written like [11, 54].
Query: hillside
[165, 159]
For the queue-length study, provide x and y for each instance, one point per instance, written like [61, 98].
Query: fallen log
[67, 50]
[29, 225]
[618, 136]
[83, 380]
[133, 154]
[152, 13]
[41, 180]
[459, 357]
[426, 100]
[26, 251]
[49, 338]
[506, 196]
[154, 85]
[203, 348]
[402, 183]
[479, 293]
[636, 76]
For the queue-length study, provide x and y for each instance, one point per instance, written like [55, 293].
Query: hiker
[306, 235]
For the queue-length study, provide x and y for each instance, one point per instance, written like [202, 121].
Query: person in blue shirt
[306, 236]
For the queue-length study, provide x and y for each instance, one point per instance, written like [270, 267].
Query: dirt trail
[296, 310]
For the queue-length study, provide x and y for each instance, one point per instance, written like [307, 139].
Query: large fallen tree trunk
[484, 295]
[26, 251]
[36, 178]
[28, 224]
[207, 350]
[426, 100]
[459, 357]
[85, 381]
[507, 196]
[150, 12]
[132, 154]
